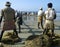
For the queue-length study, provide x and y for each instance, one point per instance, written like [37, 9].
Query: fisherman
[40, 18]
[19, 21]
[50, 17]
[9, 19]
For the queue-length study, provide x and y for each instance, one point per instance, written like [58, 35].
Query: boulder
[9, 36]
[43, 41]
[56, 40]
[1, 45]
[33, 41]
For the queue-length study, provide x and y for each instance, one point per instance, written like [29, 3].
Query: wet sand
[28, 28]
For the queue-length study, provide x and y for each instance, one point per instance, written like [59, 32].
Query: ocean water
[58, 16]
[34, 17]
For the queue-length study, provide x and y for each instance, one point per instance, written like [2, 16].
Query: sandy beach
[28, 28]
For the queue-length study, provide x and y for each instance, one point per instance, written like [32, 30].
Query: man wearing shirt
[9, 19]
[40, 18]
[49, 22]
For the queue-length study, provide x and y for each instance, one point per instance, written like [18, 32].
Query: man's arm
[54, 14]
[2, 14]
[44, 15]
[14, 16]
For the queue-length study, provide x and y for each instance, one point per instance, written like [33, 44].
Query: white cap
[41, 8]
[8, 3]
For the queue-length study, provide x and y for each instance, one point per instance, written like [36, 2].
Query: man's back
[40, 12]
[8, 14]
[50, 13]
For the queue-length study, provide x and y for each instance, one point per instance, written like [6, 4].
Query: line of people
[9, 19]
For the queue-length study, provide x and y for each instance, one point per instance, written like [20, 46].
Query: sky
[30, 5]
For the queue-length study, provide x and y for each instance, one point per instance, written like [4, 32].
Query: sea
[58, 16]
[34, 17]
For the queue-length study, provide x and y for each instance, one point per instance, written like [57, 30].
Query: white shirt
[40, 12]
[50, 14]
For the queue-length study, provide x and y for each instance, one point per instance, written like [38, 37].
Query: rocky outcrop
[43, 41]
[10, 37]
[1, 45]
[33, 41]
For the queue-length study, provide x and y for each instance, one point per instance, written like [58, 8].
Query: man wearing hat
[49, 22]
[40, 18]
[9, 18]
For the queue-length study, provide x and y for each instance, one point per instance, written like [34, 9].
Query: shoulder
[40, 11]
[3, 9]
[12, 9]
[53, 11]
[46, 12]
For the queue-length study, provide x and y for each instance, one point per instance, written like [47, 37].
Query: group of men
[9, 19]
[49, 16]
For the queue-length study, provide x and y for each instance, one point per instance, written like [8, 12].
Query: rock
[9, 37]
[46, 41]
[1, 45]
[33, 41]
[43, 40]
[56, 41]
[57, 35]
[37, 41]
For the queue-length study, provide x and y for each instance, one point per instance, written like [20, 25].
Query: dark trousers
[3, 32]
[19, 27]
[47, 30]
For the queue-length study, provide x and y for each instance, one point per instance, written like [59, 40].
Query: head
[53, 9]
[50, 5]
[41, 8]
[8, 4]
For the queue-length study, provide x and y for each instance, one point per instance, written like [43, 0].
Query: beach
[28, 28]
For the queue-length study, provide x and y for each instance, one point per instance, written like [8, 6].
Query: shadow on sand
[31, 29]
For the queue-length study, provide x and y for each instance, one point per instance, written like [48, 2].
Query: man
[9, 19]
[19, 16]
[40, 18]
[49, 22]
